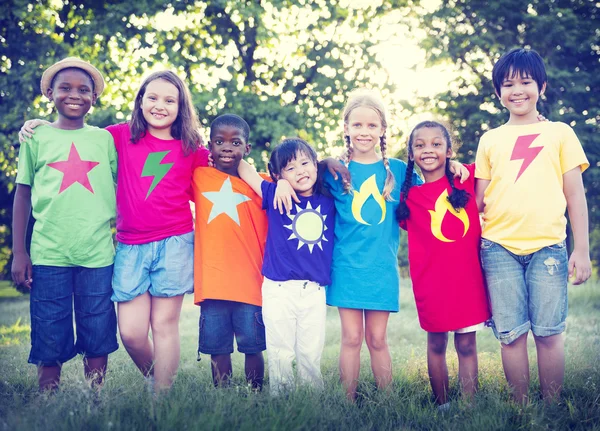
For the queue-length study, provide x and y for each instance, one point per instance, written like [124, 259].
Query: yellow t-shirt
[524, 202]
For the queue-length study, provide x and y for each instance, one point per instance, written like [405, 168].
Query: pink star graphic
[75, 170]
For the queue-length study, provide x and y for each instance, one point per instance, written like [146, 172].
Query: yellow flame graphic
[367, 189]
[442, 206]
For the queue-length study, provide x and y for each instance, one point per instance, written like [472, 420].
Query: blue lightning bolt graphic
[153, 168]
[524, 151]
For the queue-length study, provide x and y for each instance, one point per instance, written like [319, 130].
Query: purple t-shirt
[299, 246]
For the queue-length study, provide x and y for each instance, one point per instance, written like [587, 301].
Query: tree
[473, 34]
[283, 65]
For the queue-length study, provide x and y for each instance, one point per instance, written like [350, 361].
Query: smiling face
[301, 173]
[73, 95]
[160, 106]
[429, 151]
[228, 147]
[519, 94]
[364, 127]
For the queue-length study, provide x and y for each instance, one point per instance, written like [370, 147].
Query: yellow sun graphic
[308, 226]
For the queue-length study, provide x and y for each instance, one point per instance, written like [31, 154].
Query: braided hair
[371, 100]
[390, 181]
[457, 198]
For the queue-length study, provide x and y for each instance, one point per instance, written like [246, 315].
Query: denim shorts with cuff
[221, 320]
[58, 291]
[526, 292]
[164, 268]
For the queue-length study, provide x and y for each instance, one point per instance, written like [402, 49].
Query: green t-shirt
[72, 176]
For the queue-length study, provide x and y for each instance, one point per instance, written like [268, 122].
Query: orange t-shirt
[230, 235]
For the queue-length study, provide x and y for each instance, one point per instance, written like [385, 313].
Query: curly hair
[458, 198]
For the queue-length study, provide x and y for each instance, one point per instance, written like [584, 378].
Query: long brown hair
[186, 126]
[370, 99]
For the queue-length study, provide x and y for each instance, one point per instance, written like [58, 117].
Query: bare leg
[48, 377]
[352, 338]
[376, 336]
[164, 320]
[94, 370]
[551, 365]
[516, 368]
[134, 325]
[221, 370]
[255, 370]
[466, 348]
[436, 365]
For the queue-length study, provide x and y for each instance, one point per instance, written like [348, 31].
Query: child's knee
[376, 342]
[352, 340]
[436, 343]
[549, 342]
[465, 346]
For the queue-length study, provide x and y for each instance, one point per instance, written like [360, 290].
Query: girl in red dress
[444, 231]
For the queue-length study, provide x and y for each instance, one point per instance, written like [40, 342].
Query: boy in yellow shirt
[528, 172]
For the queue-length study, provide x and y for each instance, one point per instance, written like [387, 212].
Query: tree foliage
[283, 65]
[473, 34]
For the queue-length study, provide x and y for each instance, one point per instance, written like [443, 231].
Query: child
[528, 173]
[66, 174]
[442, 222]
[366, 241]
[231, 231]
[296, 265]
[158, 151]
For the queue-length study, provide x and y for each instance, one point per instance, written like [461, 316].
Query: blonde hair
[370, 99]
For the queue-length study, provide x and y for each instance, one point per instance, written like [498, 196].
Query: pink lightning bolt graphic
[523, 151]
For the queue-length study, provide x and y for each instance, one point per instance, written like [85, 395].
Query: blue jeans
[164, 268]
[220, 320]
[526, 292]
[54, 293]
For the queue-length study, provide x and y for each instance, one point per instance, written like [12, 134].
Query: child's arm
[27, 131]
[579, 262]
[480, 186]
[336, 167]
[250, 177]
[21, 265]
[459, 170]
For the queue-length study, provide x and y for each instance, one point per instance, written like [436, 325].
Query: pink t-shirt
[153, 186]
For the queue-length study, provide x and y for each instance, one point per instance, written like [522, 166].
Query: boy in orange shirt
[231, 230]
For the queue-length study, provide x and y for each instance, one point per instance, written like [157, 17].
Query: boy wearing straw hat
[66, 176]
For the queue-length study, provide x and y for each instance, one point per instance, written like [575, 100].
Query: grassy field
[193, 403]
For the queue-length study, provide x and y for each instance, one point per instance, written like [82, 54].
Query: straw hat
[66, 63]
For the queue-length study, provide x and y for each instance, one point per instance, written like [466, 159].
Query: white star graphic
[225, 201]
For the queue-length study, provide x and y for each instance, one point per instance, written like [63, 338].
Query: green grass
[194, 404]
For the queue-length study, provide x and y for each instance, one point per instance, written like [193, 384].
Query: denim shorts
[165, 268]
[55, 292]
[221, 320]
[526, 292]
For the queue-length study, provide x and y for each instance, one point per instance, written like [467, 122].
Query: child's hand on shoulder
[580, 266]
[336, 167]
[459, 170]
[27, 131]
[283, 196]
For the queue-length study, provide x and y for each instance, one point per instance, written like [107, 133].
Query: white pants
[294, 314]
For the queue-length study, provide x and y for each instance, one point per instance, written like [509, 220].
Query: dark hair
[519, 62]
[457, 198]
[233, 121]
[73, 68]
[186, 126]
[287, 151]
